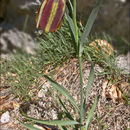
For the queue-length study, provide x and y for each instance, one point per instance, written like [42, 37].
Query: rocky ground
[112, 111]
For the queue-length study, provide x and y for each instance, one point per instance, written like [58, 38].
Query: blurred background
[17, 23]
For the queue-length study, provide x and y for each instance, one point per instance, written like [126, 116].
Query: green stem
[75, 22]
[80, 64]
[81, 89]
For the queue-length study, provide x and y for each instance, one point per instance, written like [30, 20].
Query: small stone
[123, 62]
[5, 118]
[41, 93]
[54, 115]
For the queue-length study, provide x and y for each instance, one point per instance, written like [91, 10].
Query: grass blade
[75, 21]
[89, 84]
[63, 91]
[71, 25]
[28, 126]
[91, 114]
[65, 110]
[55, 122]
[71, 6]
[89, 25]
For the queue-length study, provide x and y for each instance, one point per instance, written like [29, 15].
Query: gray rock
[123, 62]
[21, 12]
[5, 117]
[113, 16]
[17, 25]
[14, 40]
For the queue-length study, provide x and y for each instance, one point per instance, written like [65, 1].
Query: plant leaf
[89, 84]
[28, 126]
[71, 6]
[65, 110]
[89, 25]
[71, 25]
[63, 91]
[91, 114]
[55, 122]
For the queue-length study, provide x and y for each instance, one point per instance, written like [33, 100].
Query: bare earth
[112, 111]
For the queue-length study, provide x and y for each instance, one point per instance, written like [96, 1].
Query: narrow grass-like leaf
[89, 25]
[71, 6]
[28, 126]
[65, 110]
[63, 91]
[55, 122]
[90, 81]
[75, 21]
[91, 114]
[89, 84]
[25, 23]
[71, 25]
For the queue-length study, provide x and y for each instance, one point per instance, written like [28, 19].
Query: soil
[112, 111]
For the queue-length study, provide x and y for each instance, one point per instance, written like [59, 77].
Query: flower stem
[80, 64]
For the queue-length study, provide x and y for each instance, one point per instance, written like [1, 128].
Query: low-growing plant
[107, 62]
[78, 40]
[22, 71]
[21, 75]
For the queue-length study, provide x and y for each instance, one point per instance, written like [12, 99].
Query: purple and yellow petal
[50, 15]
[58, 16]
